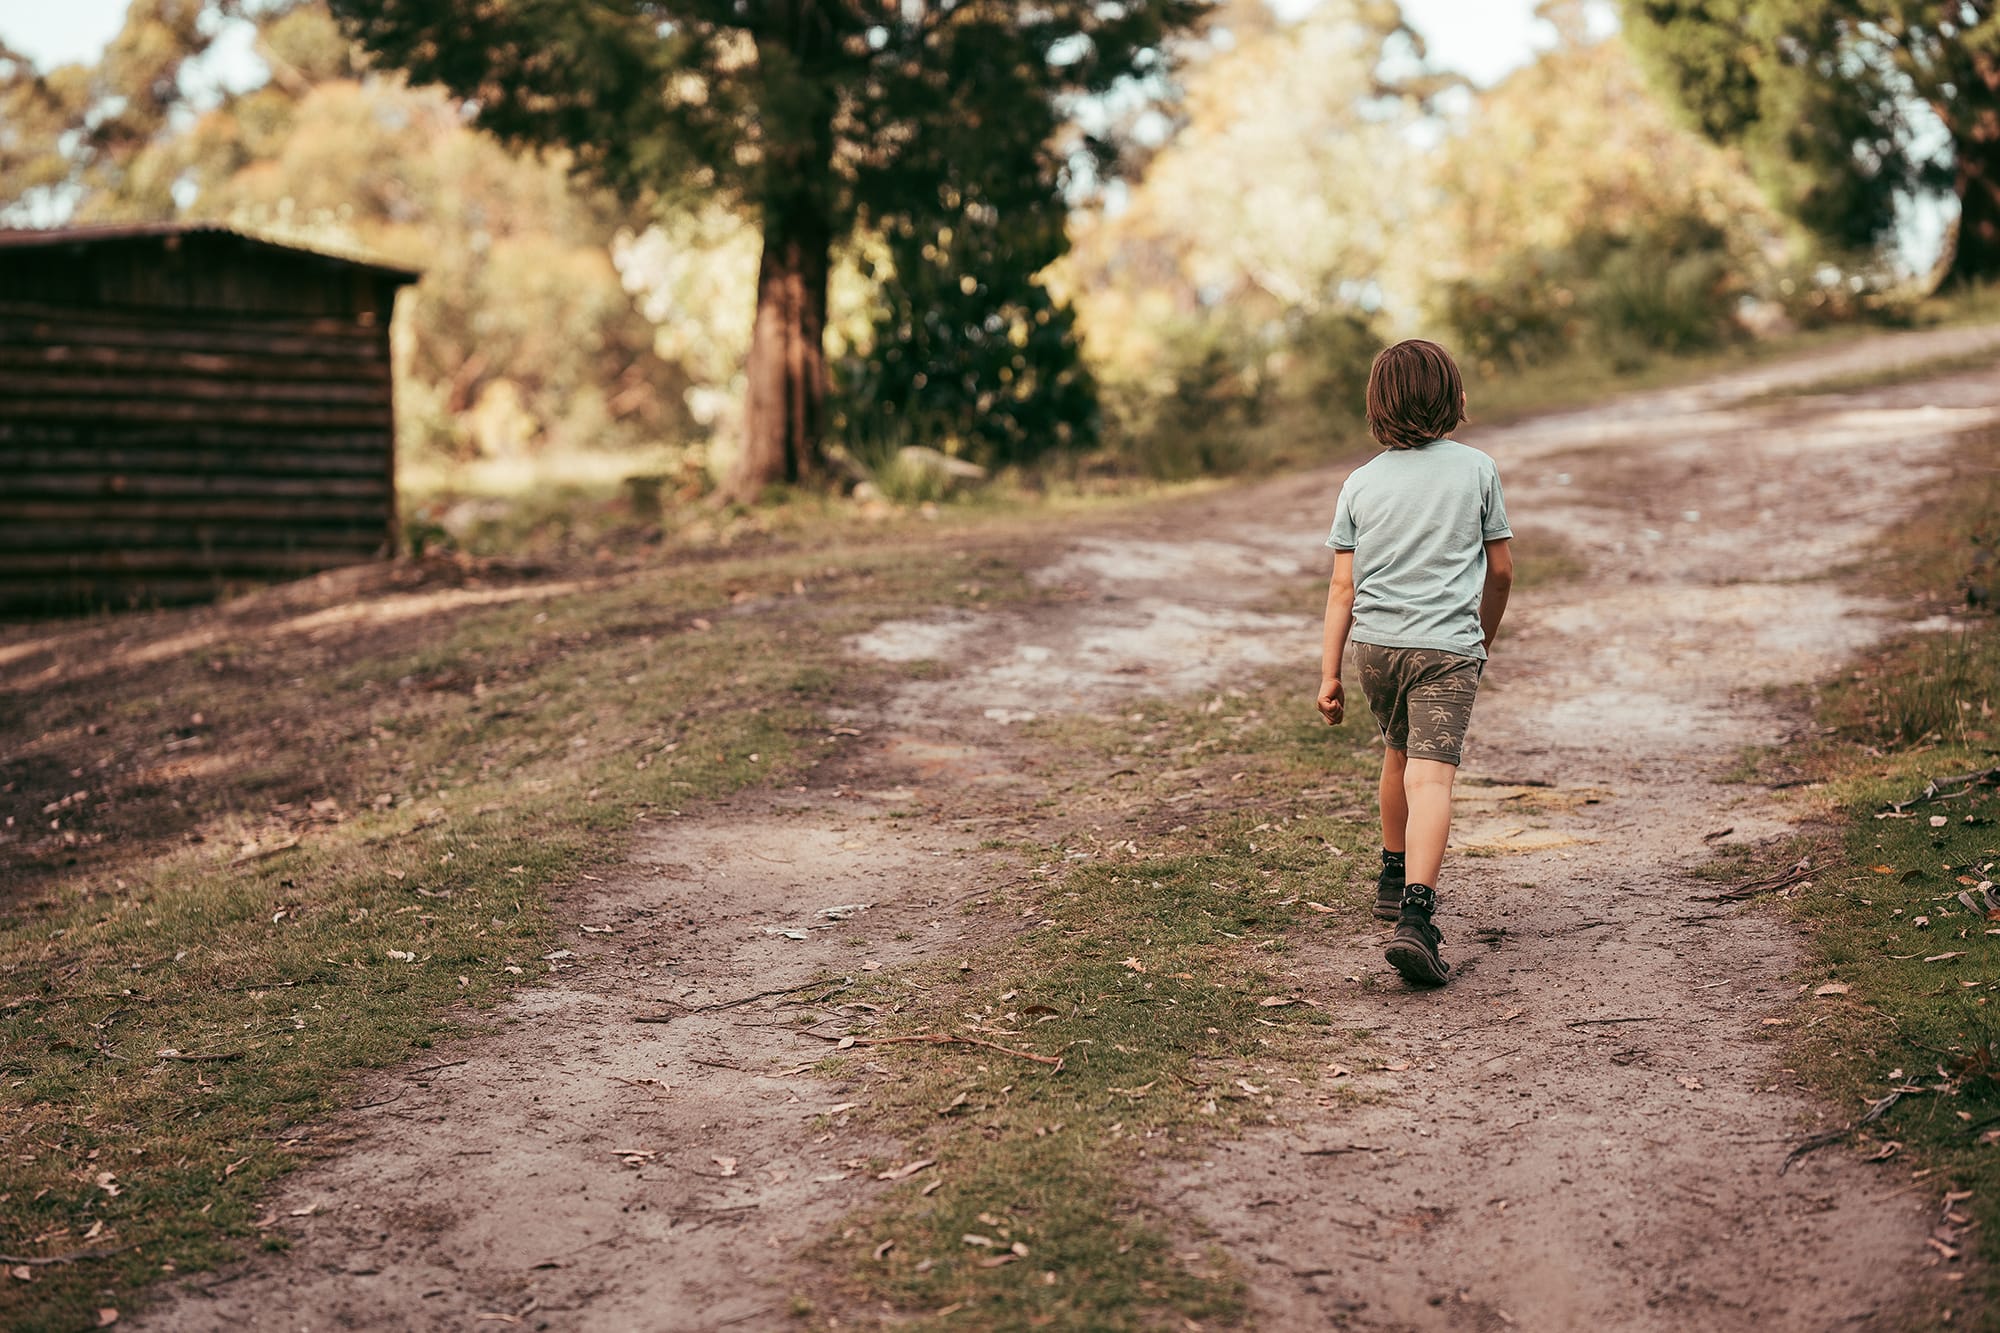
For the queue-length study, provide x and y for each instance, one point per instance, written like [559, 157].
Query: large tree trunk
[784, 408]
[1975, 125]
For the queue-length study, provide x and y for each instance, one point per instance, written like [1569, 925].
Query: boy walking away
[1421, 571]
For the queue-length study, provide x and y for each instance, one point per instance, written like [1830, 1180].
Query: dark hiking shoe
[1414, 952]
[1389, 887]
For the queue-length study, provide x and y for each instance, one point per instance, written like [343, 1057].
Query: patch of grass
[1881, 377]
[1920, 1017]
[252, 850]
[1151, 959]
[1543, 558]
[1941, 688]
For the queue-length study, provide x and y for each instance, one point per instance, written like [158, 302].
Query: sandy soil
[636, 1144]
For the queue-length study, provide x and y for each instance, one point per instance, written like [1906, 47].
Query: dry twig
[1876, 1111]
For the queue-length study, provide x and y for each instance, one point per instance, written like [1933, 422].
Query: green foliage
[1668, 288]
[94, 131]
[969, 344]
[815, 117]
[1819, 95]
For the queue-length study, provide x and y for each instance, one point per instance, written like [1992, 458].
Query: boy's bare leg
[1427, 823]
[1395, 807]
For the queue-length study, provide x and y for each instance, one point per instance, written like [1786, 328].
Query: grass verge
[1156, 927]
[251, 850]
[1882, 377]
[1903, 985]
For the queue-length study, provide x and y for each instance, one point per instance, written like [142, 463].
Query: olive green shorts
[1421, 697]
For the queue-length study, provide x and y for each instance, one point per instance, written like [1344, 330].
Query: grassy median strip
[300, 844]
[1202, 841]
[1899, 1009]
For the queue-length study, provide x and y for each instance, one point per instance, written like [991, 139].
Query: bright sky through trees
[1482, 39]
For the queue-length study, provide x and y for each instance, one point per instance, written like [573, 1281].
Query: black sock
[1419, 899]
[1392, 860]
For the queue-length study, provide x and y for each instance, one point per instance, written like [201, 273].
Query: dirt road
[1582, 1131]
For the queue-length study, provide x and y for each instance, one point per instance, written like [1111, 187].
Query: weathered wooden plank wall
[165, 430]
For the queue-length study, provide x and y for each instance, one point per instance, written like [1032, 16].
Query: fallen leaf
[882, 1250]
[727, 1164]
[999, 1260]
[840, 1108]
[1939, 821]
[1885, 1152]
[1319, 907]
[906, 1171]
[933, 1187]
[1338, 1071]
[397, 955]
[1883, 870]
[1834, 988]
[1945, 957]
[971, 1239]
[1689, 1081]
[21, 1273]
[1275, 1001]
[106, 1317]
[1134, 964]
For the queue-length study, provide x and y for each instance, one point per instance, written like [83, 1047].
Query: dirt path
[578, 1168]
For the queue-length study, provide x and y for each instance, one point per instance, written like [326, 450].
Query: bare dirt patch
[1582, 1131]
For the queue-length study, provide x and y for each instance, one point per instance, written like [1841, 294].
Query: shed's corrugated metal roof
[53, 237]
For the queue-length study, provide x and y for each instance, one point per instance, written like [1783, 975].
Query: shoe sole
[1418, 966]
[1384, 912]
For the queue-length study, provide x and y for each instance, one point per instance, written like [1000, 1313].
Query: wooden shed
[183, 406]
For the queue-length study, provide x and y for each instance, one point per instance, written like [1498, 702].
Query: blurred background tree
[1834, 101]
[520, 339]
[1067, 240]
[1578, 215]
[811, 116]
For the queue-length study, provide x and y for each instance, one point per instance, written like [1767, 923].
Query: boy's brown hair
[1415, 395]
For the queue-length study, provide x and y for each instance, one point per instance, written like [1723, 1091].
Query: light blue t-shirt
[1418, 521]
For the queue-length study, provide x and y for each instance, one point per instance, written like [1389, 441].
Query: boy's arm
[1499, 582]
[1339, 619]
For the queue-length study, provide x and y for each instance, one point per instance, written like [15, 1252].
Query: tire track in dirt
[1584, 1129]
[573, 1168]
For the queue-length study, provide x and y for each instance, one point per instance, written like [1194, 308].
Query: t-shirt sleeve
[1492, 507]
[1343, 537]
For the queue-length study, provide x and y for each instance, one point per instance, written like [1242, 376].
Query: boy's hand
[1332, 701]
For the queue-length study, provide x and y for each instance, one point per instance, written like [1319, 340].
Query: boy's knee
[1428, 773]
